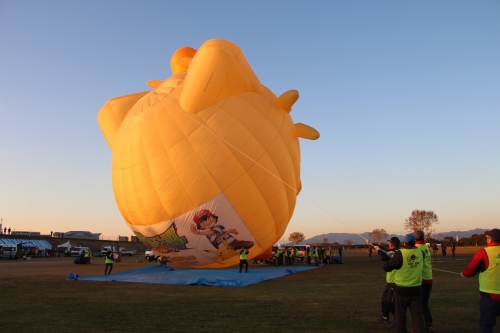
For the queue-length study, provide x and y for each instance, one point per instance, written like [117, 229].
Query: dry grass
[36, 297]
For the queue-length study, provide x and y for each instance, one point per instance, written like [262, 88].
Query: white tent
[67, 245]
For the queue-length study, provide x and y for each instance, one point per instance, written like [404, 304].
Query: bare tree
[325, 241]
[348, 242]
[377, 235]
[421, 220]
[296, 237]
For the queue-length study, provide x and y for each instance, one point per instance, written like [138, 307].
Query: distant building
[122, 239]
[77, 234]
[133, 239]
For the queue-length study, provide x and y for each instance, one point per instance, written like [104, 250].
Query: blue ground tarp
[210, 277]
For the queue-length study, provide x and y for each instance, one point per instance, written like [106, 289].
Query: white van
[8, 251]
[75, 252]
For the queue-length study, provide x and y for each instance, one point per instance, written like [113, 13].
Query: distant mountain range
[356, 239]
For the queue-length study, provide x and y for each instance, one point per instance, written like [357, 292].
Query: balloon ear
[218, 70]
[181, 59]
[111, 115]
[306, 131]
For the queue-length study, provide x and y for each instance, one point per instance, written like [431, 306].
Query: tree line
[418, 220]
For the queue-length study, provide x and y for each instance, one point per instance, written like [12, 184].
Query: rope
[434, 269]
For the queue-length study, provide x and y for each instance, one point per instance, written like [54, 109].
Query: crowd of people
[304, 254]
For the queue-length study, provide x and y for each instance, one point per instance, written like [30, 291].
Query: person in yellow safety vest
[290, 256]
[108, 260]
[486, 263]
[66, 252]
[276, 256]
[408, 263]
[87, 257]
[316, 256]
[309, 255]
[294, 256]
[328, 253]
[162, 260]
[285, 256]
[243, 259]
[426, 278]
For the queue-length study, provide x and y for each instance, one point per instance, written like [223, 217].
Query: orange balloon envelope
[208, 162]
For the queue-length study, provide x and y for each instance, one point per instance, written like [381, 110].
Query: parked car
[150, 255]
[75, 252]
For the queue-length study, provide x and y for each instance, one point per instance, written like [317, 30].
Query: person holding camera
[387, 303]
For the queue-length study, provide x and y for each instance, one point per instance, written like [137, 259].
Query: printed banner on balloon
[211, 233]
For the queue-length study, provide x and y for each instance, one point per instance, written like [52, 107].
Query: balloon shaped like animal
[208, 162]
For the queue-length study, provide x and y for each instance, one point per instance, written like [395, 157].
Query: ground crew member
[426, 278]
[243, 259]
[408, 263]
[294, 256]
[108, 260]
[162, 260]
[276, 256]
[285, 260]
[290, 256]
[486, 262]
[316, 256]
[388, 305]
[309, 255]
[328, 253]
[86, 257]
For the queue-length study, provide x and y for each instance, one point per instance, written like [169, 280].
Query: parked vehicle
[9, 251]
[150, 255]
[126, 252]
[122, 250]
[75, 251]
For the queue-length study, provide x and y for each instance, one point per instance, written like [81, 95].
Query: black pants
[427, 288]
[490, 310]
[110, 269]
[388, 305]
[414, 303]
[244, 262]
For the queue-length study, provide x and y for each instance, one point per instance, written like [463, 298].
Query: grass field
[36, 297]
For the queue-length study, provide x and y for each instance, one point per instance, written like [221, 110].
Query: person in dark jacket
[388, 296]
[486, 263]
[408, 263]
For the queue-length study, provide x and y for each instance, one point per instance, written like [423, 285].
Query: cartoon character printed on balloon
[217, 235]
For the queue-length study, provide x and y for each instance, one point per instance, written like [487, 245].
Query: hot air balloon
[208, 161]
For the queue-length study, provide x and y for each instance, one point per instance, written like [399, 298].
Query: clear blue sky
[406, 96]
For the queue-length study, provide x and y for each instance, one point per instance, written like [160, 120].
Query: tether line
[434, 269]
